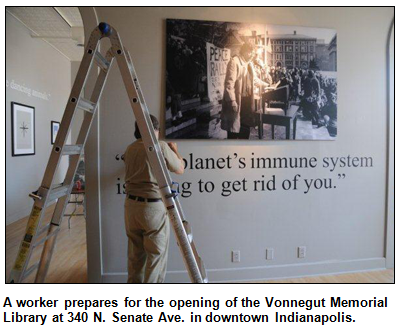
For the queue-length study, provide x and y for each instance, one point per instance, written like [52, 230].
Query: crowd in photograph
[188, 64]
[315, 92]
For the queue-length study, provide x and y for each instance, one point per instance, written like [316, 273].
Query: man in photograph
[237, 115]
[311, 99]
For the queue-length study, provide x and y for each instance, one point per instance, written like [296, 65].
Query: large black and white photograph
[229, 80]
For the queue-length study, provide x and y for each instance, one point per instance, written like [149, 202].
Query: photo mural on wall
[229, 80]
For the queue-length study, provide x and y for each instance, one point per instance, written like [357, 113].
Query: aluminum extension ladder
[48, 192]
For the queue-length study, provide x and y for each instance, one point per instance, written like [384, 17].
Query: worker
[146, 218]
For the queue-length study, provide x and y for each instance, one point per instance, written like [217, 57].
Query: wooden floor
[69, 261]
[379, 276]
[68, 264]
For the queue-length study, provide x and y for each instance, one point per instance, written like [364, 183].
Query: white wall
[36, 65]
[343, 228]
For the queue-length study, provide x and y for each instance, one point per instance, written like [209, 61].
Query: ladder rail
[149, 124]
[26, 246]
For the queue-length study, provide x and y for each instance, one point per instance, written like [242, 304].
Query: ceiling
[61, 27]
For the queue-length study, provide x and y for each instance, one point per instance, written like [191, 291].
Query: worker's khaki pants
[147, 228]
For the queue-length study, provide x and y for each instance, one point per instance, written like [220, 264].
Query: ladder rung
[44, 229]
[72, 149]
[101, 61]
[86, 105]
[58, 192]
[30, 270]
[46, 238]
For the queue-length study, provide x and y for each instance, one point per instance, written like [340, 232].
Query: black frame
[12, 129]
[53, 139]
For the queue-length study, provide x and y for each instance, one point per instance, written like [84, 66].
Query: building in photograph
[322, 55]
[292, 50]
[332, 53]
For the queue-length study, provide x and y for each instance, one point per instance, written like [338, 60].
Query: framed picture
[290, 74]
[55, 126]
[22, 129]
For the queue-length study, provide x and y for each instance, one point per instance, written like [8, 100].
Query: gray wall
[342, 228]
[36, 65]
[390, 185]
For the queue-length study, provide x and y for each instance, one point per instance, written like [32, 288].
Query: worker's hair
[156, 126]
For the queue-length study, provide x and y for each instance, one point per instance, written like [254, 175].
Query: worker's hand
[173, 146]
[234, 106]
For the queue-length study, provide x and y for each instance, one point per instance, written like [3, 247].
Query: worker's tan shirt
[139, 177]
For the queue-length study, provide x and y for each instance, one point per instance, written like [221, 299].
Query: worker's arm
[173, 159]
[174, 148]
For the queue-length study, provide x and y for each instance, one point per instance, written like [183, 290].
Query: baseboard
[248, 274]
